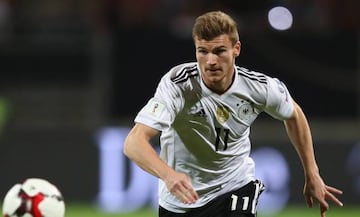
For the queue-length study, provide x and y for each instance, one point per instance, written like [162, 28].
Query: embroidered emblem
[222, 114]
[197, 110]
[155, 108]
[245, 111]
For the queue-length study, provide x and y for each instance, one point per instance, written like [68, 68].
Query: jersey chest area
[221, 121]
[230, 111]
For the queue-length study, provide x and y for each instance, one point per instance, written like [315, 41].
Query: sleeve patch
[155, 108]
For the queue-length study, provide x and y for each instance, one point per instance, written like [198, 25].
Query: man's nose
[211, 59]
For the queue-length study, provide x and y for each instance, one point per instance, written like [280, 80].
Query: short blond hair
[213, 24]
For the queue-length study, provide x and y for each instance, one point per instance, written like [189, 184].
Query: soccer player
[203, 111]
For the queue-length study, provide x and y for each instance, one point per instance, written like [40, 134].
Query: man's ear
[237, 48]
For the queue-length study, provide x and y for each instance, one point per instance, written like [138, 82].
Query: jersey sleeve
[279, 103]
[159, 112]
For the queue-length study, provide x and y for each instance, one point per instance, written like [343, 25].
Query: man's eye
[218, 52]
[203, 51]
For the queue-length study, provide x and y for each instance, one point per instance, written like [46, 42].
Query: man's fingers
[185, 193]
[187, 197]
[194, 194]
[330, 196]
[333, 190]
[189, 191]
[190, 197]
[309, 201]
[322, 213]
[323, 209]
[322, 196]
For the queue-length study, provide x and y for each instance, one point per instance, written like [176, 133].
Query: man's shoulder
[252, 84]
[182, 72]
[251, 76]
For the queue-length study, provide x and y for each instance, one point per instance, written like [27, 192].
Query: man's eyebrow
[215, 48]
[219, 47]
[201, 48]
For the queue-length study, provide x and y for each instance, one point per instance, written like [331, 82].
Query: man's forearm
[299, 133]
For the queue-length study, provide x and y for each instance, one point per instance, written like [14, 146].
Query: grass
[291, 211]
[83, 210]
[301, 211]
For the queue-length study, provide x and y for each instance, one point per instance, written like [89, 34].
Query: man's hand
[179, 184]
[315, 188]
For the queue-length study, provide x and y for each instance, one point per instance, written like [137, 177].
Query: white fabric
[206, 135]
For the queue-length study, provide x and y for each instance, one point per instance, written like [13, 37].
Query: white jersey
[206, 135]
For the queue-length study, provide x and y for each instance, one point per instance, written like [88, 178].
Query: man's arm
[137, 147]
[298, 130]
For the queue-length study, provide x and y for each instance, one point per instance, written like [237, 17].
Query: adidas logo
[197, 110]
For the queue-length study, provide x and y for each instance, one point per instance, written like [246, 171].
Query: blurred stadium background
[74, 73]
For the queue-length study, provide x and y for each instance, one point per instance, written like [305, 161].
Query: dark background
[70, 67]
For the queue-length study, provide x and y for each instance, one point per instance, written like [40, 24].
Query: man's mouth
[213, 70]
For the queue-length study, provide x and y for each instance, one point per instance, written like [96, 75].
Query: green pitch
[291, 211]
[82, 210]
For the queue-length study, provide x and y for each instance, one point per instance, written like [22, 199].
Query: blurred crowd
[85, 40]
[19, 16]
